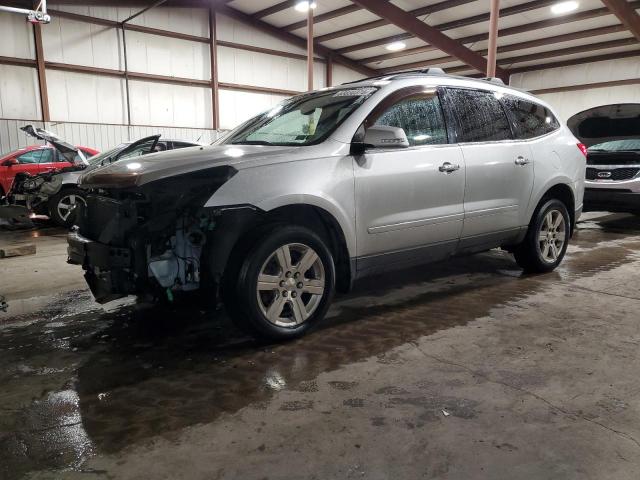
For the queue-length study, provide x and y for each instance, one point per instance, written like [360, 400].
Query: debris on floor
[18, 250]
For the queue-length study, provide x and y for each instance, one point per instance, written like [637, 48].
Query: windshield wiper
[252, 142]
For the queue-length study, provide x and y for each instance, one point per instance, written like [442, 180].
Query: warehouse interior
[469, 368]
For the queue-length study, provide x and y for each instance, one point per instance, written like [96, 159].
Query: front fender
[325, 183]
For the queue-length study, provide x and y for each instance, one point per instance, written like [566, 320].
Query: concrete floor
[464, 370]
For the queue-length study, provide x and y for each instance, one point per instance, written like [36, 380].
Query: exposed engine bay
[152, 238]
[34, 191]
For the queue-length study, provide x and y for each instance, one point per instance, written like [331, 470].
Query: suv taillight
[583, 148]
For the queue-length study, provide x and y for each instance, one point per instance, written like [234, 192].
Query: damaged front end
[147, 239]
[33, 191]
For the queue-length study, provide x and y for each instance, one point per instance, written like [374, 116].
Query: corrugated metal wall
[569, 103]
[100, 137]
[92, 99]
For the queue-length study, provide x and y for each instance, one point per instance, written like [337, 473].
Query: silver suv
[331, 186]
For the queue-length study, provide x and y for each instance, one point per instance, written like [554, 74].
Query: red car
[33, 160]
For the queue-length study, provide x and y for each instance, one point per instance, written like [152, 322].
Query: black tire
[240, 287]
[529, 254]
[54, 213]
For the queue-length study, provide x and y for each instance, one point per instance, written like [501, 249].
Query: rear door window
[46, 156]
[479, 115]
[530, 119]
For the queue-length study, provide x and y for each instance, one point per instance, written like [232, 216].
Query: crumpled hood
[68, 151]
[141, 170]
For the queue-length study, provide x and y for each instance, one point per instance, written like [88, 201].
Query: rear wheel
[63, 204]
[283, 285]
[547, 238]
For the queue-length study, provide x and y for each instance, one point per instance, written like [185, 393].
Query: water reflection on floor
[75, 383]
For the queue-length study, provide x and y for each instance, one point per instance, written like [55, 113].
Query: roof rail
[434, 71]
[423, 71]
[375, 77]
[493, 80]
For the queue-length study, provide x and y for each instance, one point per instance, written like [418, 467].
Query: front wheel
[62, 206]
[284, 284]
[547, 238]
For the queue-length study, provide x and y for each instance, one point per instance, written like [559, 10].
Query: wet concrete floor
[461, 370]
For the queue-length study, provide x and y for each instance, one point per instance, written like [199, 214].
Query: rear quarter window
[530, 119]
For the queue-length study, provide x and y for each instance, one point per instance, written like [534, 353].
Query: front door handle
[447, 167]
[522, 161]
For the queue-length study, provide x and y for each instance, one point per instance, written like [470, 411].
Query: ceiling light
[304, 6]
[564, 7]
[395, 46]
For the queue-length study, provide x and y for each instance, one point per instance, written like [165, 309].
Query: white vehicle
[613, 176]
[331, 186]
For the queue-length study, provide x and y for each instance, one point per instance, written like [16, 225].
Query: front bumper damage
[105, 265]
[148, 239]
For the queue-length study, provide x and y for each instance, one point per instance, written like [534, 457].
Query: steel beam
[278, 7]
[42, 75]
[563, 52]
[567, 37]
[145, 9]
[293, 39]
[576, 61]
[213, 50]
[586, 86]
[527, 27]
[418, 12]
[132, 27]
[626, 14]
[323, 17]
[310, 49]
[493, 38]
[426, 33]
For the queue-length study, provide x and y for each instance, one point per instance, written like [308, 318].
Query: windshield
[630, 145]
[302, 120]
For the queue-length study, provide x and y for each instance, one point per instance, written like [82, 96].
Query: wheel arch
[240, 225]
[328, 227]
[563, 192]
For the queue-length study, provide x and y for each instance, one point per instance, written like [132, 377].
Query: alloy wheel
[290, 285]
[551, 236]
[67, 204]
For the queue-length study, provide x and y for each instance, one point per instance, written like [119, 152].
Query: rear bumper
[597, 199]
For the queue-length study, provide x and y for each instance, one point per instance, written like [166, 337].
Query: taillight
[583, 148]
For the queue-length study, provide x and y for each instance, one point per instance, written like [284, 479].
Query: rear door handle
[522, 161]
[447, 167]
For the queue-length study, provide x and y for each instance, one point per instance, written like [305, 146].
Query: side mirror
[10, 162]
[383, 136]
